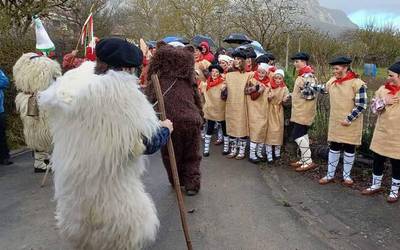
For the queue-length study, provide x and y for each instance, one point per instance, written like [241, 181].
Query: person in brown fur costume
[175, 69]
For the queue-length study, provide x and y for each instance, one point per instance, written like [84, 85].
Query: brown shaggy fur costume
[183, 107]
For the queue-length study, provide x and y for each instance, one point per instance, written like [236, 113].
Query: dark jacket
[159, 140]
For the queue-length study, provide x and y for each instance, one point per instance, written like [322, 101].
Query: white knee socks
[394, 191]
[252, 152]
[268, 150]
[207, 141]
[304, 145]
[333, 161]
[348, 161]
[376, 181]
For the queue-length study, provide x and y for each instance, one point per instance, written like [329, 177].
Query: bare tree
[264, 20]
[17, 15]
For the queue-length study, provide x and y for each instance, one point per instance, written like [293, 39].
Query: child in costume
[278, 95]
[214, 107]
[303, 111]
[385, 141]
[348, 99]
[257, 108]
[236, 105]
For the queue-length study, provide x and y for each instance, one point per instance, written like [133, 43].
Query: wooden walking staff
[174, 169]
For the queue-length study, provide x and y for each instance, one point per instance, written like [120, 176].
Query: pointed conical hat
[43, 41]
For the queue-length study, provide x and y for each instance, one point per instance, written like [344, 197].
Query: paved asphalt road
[240, 206]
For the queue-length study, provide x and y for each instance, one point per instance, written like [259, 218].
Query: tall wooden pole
[174, 169]
[287, 51]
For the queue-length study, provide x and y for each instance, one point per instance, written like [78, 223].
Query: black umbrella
[200, 38]
[237, 38]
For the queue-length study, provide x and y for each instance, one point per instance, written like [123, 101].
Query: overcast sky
[360, 11]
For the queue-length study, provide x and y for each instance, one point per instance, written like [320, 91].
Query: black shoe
[40, 170]
[206, 154]
[225, 153]
[6, 162]
[262, 159]
[277, 158]
[254, 161]
[191, 192]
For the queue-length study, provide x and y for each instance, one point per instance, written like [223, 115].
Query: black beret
[270, 56]
[341, 60]
[251, 53]
[265, 58]
[216, 66]
[241, 53]
[301, 56]
[118, 52]
[395, 68]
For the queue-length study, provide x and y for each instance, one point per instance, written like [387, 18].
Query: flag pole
[80, 35]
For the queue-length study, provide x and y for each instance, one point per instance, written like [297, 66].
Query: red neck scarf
[264, 81]
[305, 70]
[349, 76]
[393, 89]
[212, 83]
[274, 85]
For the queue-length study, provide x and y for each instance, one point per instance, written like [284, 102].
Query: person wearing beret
[257, 109]
[214, 107]
[348, 99]
[385, 142]
[100, 121]
[236, 105]
[303, 111]
[132, 64]
[267, 58]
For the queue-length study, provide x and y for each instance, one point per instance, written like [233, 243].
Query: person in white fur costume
[33, 73]
[101, 125]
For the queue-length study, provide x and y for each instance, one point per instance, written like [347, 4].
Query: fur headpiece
[33, 72]
[173, 62]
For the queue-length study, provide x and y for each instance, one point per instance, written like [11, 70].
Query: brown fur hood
[176, 66]
[172, 62]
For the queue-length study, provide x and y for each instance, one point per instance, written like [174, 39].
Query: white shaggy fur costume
[33, 73]
[97, 123]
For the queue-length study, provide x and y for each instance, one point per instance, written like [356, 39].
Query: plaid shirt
[361, 103]
[360, 100]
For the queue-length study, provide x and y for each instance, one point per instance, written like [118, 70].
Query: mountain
[326, 20]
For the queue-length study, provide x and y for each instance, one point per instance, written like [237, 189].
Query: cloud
[352, 6]
[380, 18]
